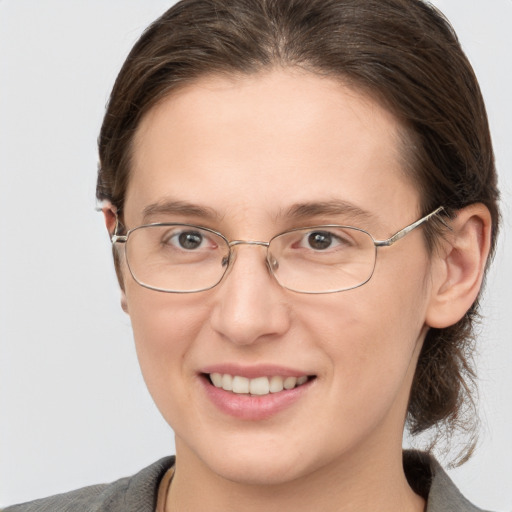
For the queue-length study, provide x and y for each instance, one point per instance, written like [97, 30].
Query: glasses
[184, 258]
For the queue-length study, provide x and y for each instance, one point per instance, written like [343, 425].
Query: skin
[248, 149]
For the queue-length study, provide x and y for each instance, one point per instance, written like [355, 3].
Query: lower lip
[253, 407]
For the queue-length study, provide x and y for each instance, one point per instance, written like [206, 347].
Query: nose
[250, 305]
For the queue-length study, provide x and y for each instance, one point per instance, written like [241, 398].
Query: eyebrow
[328, 208]
[297, 212]
[172, 207]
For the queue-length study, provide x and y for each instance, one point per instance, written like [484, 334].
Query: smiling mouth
[259, 386]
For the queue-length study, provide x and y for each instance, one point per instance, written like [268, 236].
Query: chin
[258, 471]
[258, 460]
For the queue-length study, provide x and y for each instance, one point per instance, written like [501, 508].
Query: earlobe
[459, 265]
[124, 302]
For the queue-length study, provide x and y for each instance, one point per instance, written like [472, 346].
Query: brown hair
[403, 52]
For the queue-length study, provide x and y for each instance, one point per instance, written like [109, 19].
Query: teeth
[216, 379]
[290, 382]
[302, 380]
[276, 384]
[240, 384]
[227, 382]
[259, 386]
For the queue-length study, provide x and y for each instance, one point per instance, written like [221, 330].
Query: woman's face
[252, 157]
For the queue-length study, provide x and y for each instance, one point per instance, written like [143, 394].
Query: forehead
[267, 142]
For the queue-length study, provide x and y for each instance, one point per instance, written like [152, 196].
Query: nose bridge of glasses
[234, 243]
[271, 265]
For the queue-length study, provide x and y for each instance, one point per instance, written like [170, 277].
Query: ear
[110, 216]
[458, 266]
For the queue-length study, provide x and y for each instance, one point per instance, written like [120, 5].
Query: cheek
[165, 327]
[372, 334]
[162, 323]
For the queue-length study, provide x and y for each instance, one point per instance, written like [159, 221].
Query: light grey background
[73, 407]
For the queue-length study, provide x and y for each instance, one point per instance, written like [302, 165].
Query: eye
[322, 240]
[190, 240]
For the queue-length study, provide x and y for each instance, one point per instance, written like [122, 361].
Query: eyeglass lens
[181, 258]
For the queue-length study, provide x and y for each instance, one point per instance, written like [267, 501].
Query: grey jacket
[138, 493]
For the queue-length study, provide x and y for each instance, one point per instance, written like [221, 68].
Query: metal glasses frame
[123, 239]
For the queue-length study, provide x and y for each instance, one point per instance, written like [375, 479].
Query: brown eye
[320, 240]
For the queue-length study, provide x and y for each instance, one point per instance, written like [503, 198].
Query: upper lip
[254, 371]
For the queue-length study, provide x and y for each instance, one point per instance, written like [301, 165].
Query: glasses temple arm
[115, 238]
[409, 228]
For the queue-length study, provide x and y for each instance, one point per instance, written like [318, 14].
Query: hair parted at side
[403, 53]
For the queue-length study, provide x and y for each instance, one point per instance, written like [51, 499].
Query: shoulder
[137, 493]
[428, 479]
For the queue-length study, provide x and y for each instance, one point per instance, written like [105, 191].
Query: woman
[302, 200]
